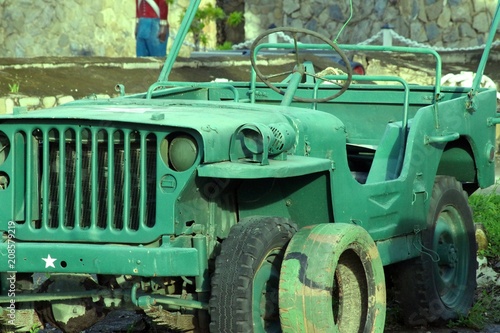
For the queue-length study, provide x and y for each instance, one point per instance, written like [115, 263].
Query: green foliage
[234, 19]
[35, 328]
[203, 39]
[226, 46]
[14, 87]
[14, 84]
[486, 310]
[208, 14]
[486, 210]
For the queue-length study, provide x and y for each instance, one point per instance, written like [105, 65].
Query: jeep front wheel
[245, 283]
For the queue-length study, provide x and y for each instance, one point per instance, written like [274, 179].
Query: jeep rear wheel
[332, 280]
[439, 285]
[245, 283]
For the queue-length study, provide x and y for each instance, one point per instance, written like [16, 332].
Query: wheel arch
[459, 160]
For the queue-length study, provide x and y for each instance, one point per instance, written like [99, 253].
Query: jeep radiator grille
[93, 179]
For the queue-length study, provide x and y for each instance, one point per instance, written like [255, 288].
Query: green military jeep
[278, 204]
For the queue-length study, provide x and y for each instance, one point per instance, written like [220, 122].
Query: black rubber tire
[254, 245]
[439, 285]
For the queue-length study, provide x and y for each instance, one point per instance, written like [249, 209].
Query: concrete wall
[106, 27]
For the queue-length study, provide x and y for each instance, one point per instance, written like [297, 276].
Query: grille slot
[95, 178]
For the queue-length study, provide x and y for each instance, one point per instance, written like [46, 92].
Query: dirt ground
[88, 76]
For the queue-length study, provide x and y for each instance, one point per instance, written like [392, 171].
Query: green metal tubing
[376, 78]
[253, 85]
[179, 39]
[372, 48]
[293, 85]
[493, 121]
[147, 300]
[141, 301]
[133, 294]
[108, 293]
[195, 85]
[406, 87]
[441, 139]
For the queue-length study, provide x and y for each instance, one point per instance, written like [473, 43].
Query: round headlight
[182, 152]
[164, 150]
[4, 147]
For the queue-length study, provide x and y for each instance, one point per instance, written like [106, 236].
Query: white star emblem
[49, 262]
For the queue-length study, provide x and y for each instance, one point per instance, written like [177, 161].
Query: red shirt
[143, 9]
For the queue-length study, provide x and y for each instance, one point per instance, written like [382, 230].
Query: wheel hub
[448, 255]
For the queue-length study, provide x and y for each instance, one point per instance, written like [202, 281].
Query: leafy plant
[234, 19]
[14, 87]
[208, 14]
[486, 210]
[226, 46]
[35, 328]
[485, 310]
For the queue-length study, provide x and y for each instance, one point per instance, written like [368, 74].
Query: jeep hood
[214, 121]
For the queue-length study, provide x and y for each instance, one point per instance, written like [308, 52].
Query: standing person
[151, 31]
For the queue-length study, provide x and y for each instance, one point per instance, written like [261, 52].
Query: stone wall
[260, 15]
[441, 23]
[66, 28]
[106, 27]
[9, 104]
[74, 27]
